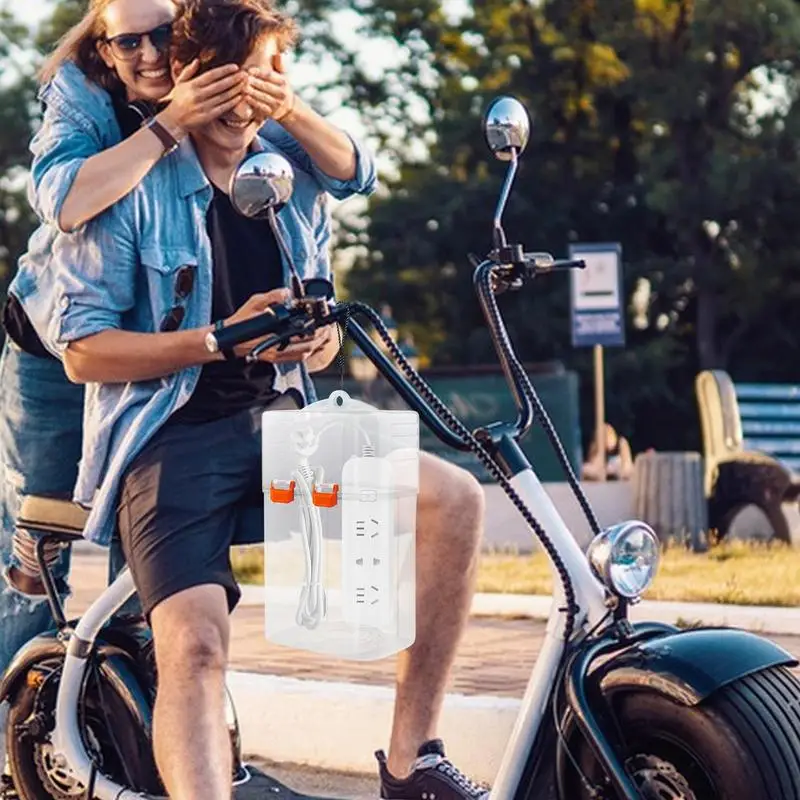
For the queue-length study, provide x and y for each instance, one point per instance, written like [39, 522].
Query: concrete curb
[339, 726]
[759, 619]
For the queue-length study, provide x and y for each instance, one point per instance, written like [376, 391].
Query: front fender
[691, 665]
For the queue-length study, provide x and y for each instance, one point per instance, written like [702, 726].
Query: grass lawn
[740, 573]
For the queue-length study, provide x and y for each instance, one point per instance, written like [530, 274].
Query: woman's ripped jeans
[41, 415]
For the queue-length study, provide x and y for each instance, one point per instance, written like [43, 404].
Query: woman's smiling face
[141, 63]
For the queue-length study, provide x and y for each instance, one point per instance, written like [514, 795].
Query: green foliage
[66, 14]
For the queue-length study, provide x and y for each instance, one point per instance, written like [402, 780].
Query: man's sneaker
[433, 778]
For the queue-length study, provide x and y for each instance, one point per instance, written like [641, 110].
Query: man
[40, 410]
[172, 435]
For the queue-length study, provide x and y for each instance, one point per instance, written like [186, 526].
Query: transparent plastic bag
[341, 480]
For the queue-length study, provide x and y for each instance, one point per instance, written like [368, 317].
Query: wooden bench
[770, 416]
[751, 450]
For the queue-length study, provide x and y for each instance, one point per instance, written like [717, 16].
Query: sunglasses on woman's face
[128, 45]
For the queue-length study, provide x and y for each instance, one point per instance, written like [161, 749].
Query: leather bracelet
[165, 137]
[228, 352]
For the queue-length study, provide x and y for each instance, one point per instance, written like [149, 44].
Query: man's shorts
[179, 503]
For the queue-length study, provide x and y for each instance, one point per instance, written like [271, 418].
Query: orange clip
[325, 495]
[281, 491]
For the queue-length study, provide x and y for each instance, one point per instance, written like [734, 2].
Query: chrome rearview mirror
[507, 127]
[262, 181]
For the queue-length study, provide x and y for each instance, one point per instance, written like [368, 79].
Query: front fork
[582, 704]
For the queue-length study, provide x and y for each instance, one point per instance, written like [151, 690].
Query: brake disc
[658, 779]
[57, 779]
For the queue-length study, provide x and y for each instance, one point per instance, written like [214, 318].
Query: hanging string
[341, 345]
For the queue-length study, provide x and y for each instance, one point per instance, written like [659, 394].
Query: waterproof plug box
[341, 480]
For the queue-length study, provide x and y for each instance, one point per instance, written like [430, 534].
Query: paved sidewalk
[495, 657]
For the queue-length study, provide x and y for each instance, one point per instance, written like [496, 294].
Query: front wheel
[743, 743]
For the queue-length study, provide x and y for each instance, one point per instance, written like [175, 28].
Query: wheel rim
[57, 781]
[662, 768]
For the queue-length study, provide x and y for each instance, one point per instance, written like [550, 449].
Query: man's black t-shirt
[246, 261]
[14, 319]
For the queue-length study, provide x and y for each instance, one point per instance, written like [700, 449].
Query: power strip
[368, 593]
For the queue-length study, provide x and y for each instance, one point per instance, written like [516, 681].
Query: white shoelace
[446, 767]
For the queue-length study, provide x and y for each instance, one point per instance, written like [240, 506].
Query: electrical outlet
[368, 594]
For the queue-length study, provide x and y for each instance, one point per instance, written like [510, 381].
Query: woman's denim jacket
[119, 269]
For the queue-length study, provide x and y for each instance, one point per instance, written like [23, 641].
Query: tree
[650, 128]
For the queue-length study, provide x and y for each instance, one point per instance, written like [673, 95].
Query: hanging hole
[339, 397]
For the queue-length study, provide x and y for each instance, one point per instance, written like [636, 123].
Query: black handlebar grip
[254, 328]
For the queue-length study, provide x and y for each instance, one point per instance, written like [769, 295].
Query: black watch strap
[228, 351]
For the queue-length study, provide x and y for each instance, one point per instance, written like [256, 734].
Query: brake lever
[537, 263]
[282, 340]
[270, 341]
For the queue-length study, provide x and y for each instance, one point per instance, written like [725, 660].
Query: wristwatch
[212, 345]
[170, 143]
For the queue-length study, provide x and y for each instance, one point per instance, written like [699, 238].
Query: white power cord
[313, 599]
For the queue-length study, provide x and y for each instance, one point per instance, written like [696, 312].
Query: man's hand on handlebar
[299, 348]
[326, 345]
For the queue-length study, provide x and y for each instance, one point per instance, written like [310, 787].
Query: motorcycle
[614, 710]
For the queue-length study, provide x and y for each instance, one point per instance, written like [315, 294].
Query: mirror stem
[499, 234]
[297, 284]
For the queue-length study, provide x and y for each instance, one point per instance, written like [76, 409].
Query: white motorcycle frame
[590, 598]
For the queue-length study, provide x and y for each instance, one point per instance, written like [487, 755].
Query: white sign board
[597, 308]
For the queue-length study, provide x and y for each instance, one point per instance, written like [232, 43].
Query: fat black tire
[742, 743]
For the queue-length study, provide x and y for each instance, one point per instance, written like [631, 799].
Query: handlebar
[280, 323]
[544, 262]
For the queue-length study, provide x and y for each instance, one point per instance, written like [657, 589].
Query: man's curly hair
[221, 32]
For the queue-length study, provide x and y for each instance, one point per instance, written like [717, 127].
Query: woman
[105, 78]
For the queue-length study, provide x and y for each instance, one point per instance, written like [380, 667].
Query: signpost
[598, 319]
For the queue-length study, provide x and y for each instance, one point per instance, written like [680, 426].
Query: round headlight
[625, 557]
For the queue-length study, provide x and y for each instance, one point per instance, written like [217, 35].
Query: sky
[31, 11]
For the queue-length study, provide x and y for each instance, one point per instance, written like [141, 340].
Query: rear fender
[45, 647]
[116, 666]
